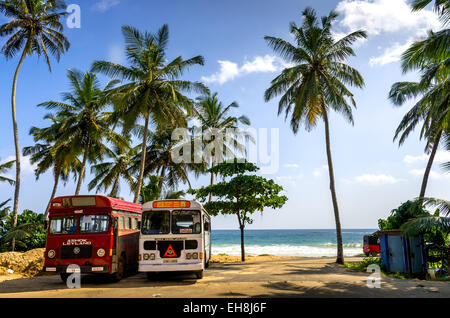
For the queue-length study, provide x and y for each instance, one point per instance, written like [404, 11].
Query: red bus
[97, 233]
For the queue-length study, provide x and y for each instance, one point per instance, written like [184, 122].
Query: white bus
[175, 236]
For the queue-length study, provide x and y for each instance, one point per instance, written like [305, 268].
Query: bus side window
[128, 223]
[121, 223]
[134, 224]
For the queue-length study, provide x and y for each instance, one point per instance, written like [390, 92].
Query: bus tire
[374, 253]
[64, 277]
[118, 275]
[199, 274]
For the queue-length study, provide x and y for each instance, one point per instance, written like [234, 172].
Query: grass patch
[362, 266]
[223, 254]
[264, 255]
[441, 279]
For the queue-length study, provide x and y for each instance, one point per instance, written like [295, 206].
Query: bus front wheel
[199, 274]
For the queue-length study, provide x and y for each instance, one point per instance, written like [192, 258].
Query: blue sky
[373, 175]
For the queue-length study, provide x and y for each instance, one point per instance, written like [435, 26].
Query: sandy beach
[261, 276]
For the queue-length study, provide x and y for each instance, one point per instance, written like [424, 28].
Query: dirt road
[300, 277]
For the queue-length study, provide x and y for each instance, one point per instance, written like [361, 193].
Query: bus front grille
[76, 251]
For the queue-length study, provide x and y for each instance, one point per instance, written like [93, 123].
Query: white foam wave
[283, 250]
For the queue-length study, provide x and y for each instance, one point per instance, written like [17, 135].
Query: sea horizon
[288, 242]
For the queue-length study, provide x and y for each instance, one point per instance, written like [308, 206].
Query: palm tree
[5, 167]
[433, 107]
[154, 90]
[62, 159]
[86, 124]
[159, 159]
[34, 28]
[108, 174]
[215, 119]
[316, 83]
[425, 224]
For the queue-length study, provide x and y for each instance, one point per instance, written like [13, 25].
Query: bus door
[115, 243]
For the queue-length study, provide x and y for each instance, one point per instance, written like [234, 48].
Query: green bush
[405, 212]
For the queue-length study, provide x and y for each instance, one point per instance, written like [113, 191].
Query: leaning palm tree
[432, 108]
[316, 84]
[215, 118]
[34, 28]
[86, 123]
[5, 167]
[154, 90]
[61, 159]
[108, 174]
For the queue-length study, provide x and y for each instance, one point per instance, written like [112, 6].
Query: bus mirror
[139, 225]
[45, 224]
[114, 224]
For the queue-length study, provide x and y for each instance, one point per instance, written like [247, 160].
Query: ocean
[308, 243]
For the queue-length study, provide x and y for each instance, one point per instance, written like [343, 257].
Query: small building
[402, 254]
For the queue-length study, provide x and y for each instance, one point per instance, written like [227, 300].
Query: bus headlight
[188, 255]
[101, 252]
[51, 254]
[146, 257]
[194, 255]
[152, 257]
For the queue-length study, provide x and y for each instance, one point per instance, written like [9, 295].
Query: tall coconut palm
[432, 108]
[159, 160]
[215, 118]
[108, 174]
[86, 123]
[316, 84]
[5, 167]
[154, 90]
[50, 152]
[34, 28]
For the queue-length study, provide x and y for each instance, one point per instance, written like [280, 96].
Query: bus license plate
[170, 261]
[73, 270]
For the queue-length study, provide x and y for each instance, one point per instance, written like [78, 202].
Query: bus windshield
[156, 222]
[63, 225]
[95, 223]
[186, 222]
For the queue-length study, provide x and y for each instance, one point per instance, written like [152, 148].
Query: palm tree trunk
[212, 179]
[340, 250]
[16, 144]
[429, 164]
[115, 187]
[83, 168]
[55, 186]
[161, 180]
[141, 169]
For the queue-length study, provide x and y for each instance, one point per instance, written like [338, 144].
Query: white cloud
[319, 171]
[116, 54]
[391, 17]
[260, 64]
[25, 165]
[385, 16]
[391, 54]
[374, 179]
[105, 5]
[292, 165]
[290, 180]
[441, 156]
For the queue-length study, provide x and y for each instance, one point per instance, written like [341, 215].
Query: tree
[50, 152]
[34, 28]
[427, 223]
[159, 160]
[242, 195]
[5, 167]
[316, 83]
[433, 106]
[86, 124]
[215, 119]
[399, 216]
[154, 90]
[108, 174]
